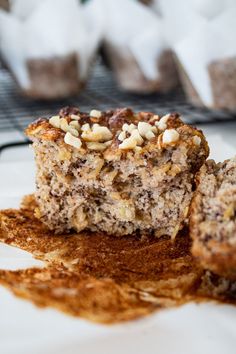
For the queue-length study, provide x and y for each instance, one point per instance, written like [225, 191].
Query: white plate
[25, 329]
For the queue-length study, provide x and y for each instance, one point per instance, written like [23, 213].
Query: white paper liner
[179, 18]
[213, 40]
[200, 31]
[129, 24]
[39, 30]
[23, 8]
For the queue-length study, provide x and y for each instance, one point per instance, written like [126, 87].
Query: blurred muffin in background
[4, 4]
[207, 62]
[135, 46]
[205, 48]
[47, 48]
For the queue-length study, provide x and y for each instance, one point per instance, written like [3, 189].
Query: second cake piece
[117, 171]
[213, 217]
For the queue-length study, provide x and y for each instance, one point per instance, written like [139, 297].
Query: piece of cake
[213, 217]
[115, 171]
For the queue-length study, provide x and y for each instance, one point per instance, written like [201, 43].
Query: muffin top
[118, 132]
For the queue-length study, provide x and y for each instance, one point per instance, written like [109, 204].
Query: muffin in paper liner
[207, 61]
[46, 48]
[135, 47]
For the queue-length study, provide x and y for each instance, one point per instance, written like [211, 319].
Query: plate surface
[190, 329]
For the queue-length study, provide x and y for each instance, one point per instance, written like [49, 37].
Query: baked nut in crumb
[127, 173]
[213, 217]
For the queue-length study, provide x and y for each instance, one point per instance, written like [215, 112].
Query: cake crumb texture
[118, 171]
[213, 217]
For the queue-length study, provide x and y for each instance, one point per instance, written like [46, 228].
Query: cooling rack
[102, 92]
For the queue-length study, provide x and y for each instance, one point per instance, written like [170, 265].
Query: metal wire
[102, 93]
[13, 144]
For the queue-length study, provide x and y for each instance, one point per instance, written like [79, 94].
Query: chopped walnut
[55, 121]
[162, 123]
[96, 114]
[108, 143]
[74, 124]
[85, 127]
[135, 134]
[128, 127]
[143, 128]
[131, 127]
[75, 116]
[97, 134]
[128, 143]
[137, 149]
[154, 118]
[104, 131]
[125, 127]
[150, 135]
[170, 136]
[146, 130]
[197, 140]
[67, 128]
[96, 146]
[72, 140]
[154, 129]
[122, 136]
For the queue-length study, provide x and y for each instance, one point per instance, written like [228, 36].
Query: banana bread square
[118, 171]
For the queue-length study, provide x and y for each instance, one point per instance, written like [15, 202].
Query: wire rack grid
[17, 111]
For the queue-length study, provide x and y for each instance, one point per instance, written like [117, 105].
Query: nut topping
[74, 124]
[55, 121]
[144, 128]
[75, 116]
[162, 123]
[128, 143]
[96, 114]
[122, 136]
[149, 135]
[85, 127]
[96, 146]
[72, 140]
[67, 128]
[97, 134]
[135, 134]
[170, 136]
[197, 140]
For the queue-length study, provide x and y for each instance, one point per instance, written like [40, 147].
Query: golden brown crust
[114, 120]
[42, 129]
